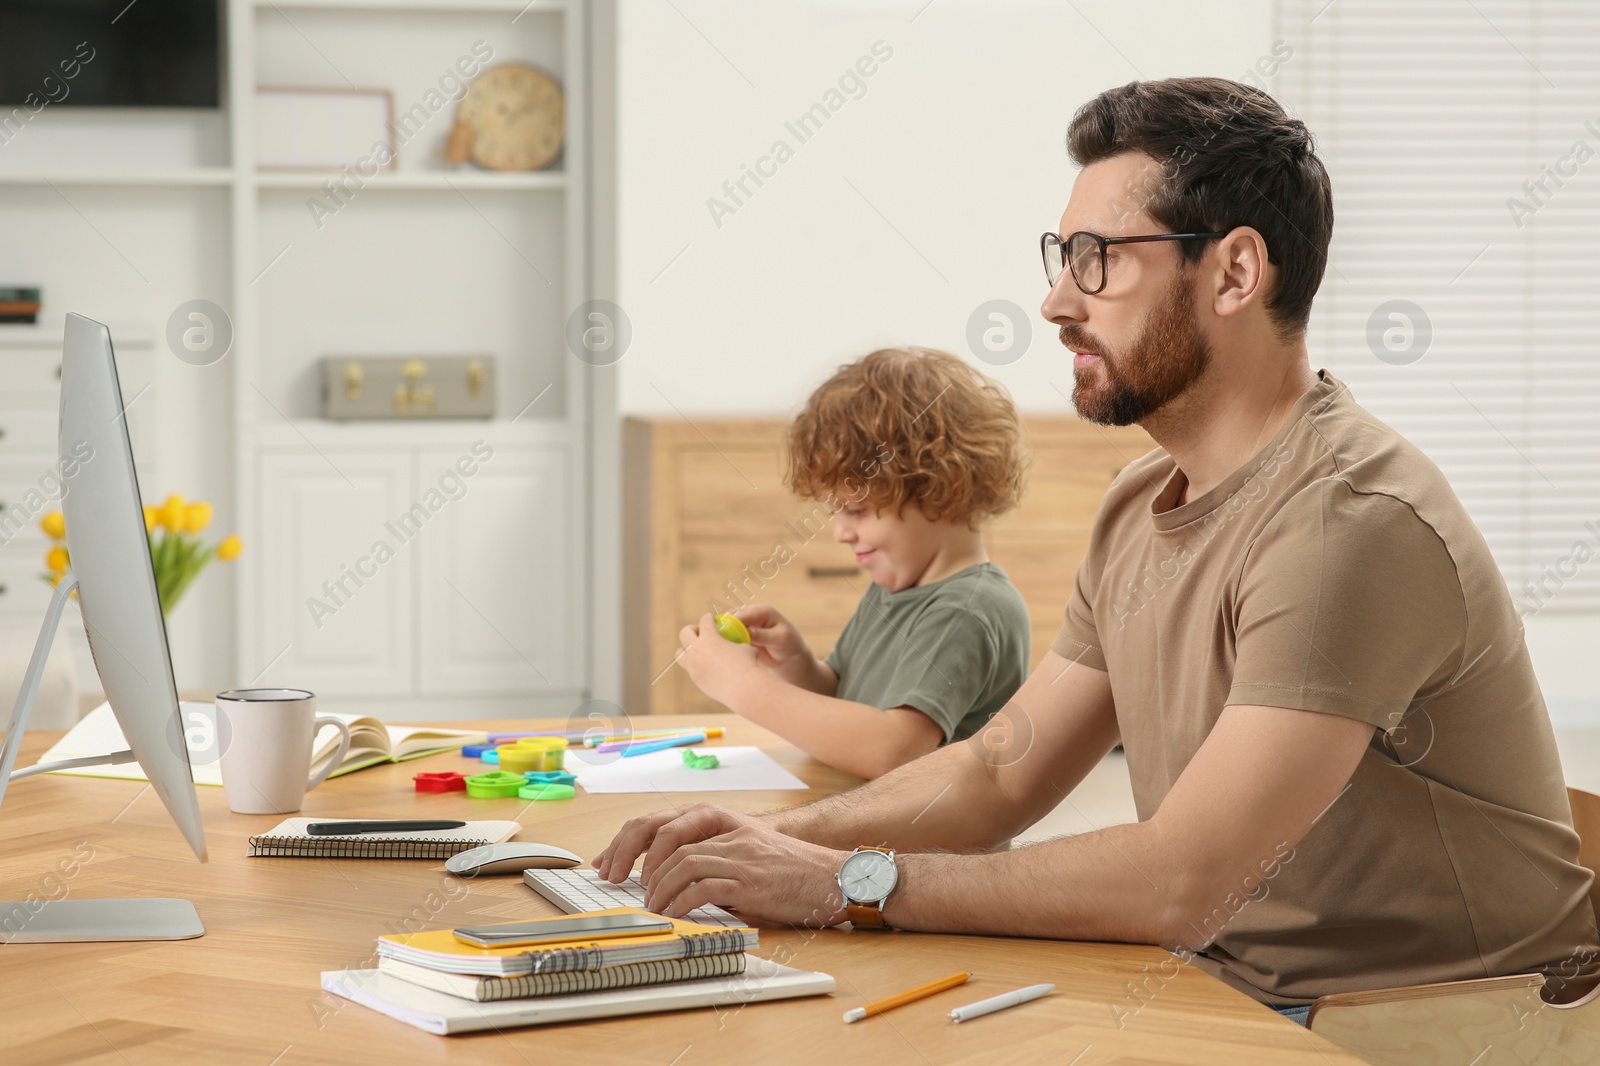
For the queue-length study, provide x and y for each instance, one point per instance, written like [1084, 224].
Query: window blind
[1462, 298]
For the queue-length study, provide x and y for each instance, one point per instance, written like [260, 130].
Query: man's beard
[1166, 358]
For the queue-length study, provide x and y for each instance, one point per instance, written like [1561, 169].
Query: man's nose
[1064, 302]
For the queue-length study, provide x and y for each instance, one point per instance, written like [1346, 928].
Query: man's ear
[1242, 273]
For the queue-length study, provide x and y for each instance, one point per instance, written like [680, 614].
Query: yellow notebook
[438, 949]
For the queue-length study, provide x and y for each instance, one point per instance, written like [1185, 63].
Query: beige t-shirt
[1337, 572]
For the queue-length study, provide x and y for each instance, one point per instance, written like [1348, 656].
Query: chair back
[1586, 820]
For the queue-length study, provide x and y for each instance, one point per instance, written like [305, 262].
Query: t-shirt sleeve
[1079, 639]
[946, 665]
[1348, 603]
[835, 659]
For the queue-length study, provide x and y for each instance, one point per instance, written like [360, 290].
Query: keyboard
[580, 891]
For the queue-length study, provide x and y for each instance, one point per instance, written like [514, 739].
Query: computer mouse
[512, 857]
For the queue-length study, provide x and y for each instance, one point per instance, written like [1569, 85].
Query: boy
[911, 449]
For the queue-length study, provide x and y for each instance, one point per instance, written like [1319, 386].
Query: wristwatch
[866, 879]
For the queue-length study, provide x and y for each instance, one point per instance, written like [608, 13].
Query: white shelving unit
[424, 259]
[178, 178]
[467, 180]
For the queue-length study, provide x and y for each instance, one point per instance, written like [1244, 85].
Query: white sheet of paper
[742, 770]
[98, 732]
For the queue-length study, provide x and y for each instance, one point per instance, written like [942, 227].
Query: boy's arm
[857, 738]
[809, 673]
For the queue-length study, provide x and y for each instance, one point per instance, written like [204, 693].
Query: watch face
[867, 876]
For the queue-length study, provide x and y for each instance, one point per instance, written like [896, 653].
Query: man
[1343, 767]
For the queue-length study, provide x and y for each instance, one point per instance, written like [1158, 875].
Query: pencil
[921, 992]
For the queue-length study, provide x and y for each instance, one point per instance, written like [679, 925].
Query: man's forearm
[947, 800]
[1116, 884]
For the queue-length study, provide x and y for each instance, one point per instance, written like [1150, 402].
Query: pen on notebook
[1000, 1002]
[911, 996]
[328, 829]
[650, 734]
[646, 747]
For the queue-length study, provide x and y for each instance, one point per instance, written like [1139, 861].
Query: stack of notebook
[441, 985]
[436, 959]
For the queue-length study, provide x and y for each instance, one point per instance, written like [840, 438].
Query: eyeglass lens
[1088, 265]
[1081, 252]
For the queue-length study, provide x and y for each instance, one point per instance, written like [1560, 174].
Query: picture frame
[324, 128]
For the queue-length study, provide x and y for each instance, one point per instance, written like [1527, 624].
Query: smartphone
[578, 927]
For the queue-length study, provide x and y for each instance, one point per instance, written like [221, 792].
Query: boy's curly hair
[909, 426]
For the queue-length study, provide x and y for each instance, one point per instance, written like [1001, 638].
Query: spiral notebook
[437, 1012]
[628, 975]
[438, 949]
[289, 839]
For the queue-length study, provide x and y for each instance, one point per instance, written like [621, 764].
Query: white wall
[913, 204]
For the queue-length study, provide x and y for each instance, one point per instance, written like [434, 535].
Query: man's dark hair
[1229, 156]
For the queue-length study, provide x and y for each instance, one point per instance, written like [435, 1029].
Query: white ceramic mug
[267, 735]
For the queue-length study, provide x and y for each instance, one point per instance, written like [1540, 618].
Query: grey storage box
[418, 386]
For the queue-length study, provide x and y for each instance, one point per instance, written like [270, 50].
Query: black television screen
[110, 53]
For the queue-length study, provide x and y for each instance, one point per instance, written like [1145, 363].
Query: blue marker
[663, 745]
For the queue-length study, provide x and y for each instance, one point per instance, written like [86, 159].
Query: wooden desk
[248, 991]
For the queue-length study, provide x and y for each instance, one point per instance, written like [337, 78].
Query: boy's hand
[776, 639]
[715, 664]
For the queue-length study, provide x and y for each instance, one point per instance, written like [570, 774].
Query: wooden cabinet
[708, 525]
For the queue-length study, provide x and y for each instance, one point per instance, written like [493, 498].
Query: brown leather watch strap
[865, 916]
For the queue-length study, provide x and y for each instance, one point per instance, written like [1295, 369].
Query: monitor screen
[110, 53]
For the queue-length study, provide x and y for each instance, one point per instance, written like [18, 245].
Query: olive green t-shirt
[1337, 572]
[956, 650]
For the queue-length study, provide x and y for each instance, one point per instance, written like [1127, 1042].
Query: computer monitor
[111, 570]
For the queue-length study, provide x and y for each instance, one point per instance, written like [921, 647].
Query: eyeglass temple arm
[1160, 237]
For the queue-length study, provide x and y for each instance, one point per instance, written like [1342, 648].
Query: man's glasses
[1085, 254]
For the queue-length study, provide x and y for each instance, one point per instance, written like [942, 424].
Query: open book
[371, 742]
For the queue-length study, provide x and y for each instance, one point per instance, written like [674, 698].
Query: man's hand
[715, 664]
[756, 871]
[656, 836]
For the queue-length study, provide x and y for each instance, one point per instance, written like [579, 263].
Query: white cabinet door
[336, 571]
[498, 576]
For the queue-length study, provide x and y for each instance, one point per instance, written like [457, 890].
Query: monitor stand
[44, 921]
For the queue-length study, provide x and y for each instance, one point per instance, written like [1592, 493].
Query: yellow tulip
[172, 513]
[230, 548]
[197, 516]
[56, 559]
[150, 517]
[54, 525]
